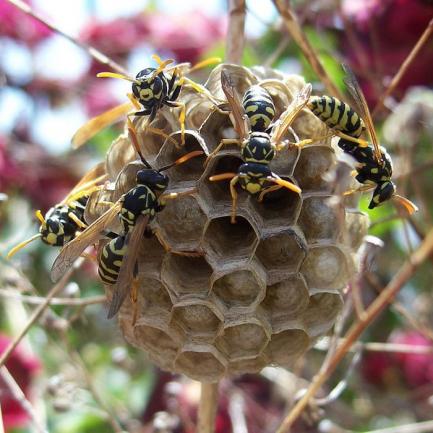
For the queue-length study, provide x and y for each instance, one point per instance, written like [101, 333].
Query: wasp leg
[222, 143]
[182, 116]
[134, 101]
[234, 194]
[267, 190]
[77, 220]
[360, 189]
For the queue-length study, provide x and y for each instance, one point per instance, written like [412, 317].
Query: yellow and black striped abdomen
[110, 260]
[337, 115]
[259, 108]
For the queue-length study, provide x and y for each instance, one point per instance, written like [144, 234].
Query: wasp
[63, 221]
[135, 209]
[373, 163]
[152, 88]
[257, 146]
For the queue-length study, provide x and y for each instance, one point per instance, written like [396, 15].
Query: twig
[93, 52]
[19, 396]
[385, 297]
[36, 300]
[295, 30]
[405, 66]
[418, 427]
[237, 412]
[38, 312]
[207, 408]
[236, 31]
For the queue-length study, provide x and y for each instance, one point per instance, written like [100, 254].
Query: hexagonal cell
[226, 241]
[253, 365]
[201, 362]
[217, 193]
[190, 170]
[286, 300]
[282, 251]
[286, 346]
[240, 288]
[320, 220]
[321, 313]
[313, 163]
[181, 224]
[357, 223]
[279, 208]
[153, 298]
[158, 342]
[199, 319]
[244, 340]
[284, 161]
[307, 125]
[121, 152]
[216, 127]
[150, 258]
[186, 275]
[325, 267]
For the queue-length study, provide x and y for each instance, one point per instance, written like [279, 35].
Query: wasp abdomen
[259, 108]
[111, 259]
[337, 115]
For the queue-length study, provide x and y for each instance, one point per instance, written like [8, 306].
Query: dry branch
[386, 296]
[292, 24]
[405, 66]
[236, 31]
[208, 407]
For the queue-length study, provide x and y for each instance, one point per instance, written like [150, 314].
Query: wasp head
[153, 179]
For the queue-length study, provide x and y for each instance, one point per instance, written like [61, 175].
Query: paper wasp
[63, 221]
[257, 146]
[374, 165]
[135, 209]
[152, 88]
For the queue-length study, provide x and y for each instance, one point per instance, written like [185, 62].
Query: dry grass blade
[19, 396]
[93, 52]
[235, 32]
[385, 297]
[418, 427]
[36, 314]
[208, 408]
[295, 30]
[405, 66]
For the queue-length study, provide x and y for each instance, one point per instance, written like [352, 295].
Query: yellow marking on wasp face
[51, 238]
[374, 170]
[253, 188]
[146, 94]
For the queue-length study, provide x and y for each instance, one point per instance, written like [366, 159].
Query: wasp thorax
[258, 148]
[217, 298]
[153, 179]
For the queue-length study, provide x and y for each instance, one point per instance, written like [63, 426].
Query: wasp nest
[221, 298]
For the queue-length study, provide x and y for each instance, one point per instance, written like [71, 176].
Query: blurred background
[74, 366]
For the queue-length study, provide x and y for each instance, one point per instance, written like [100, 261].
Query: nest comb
[224, 298]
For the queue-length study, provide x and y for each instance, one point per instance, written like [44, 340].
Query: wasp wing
[361, 106]
[93, 126]
[240, 121]
[72, 250]
[288, 116]
[123, 284]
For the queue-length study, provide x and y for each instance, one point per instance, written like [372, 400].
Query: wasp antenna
[284, 183]
[410, 207]
[222, 176]
[204, 63]
[135, 143]
[115, 75]
[182, 159]
[161, 64]
[21, 245]
[40, 217]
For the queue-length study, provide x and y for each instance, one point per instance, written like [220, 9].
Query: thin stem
[418, 427]
[37, 300]
[405, 66]
[236, 31]
[207, 408]
[385, 297]
[295, 30]
[38, 312]
[93, 52]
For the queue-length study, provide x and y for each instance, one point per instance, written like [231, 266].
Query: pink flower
[9, 171]
[16, 24]
[99, 97]
[387, 30]
[186, 36]
[417, 369]
[376, 367]
[23, 367]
